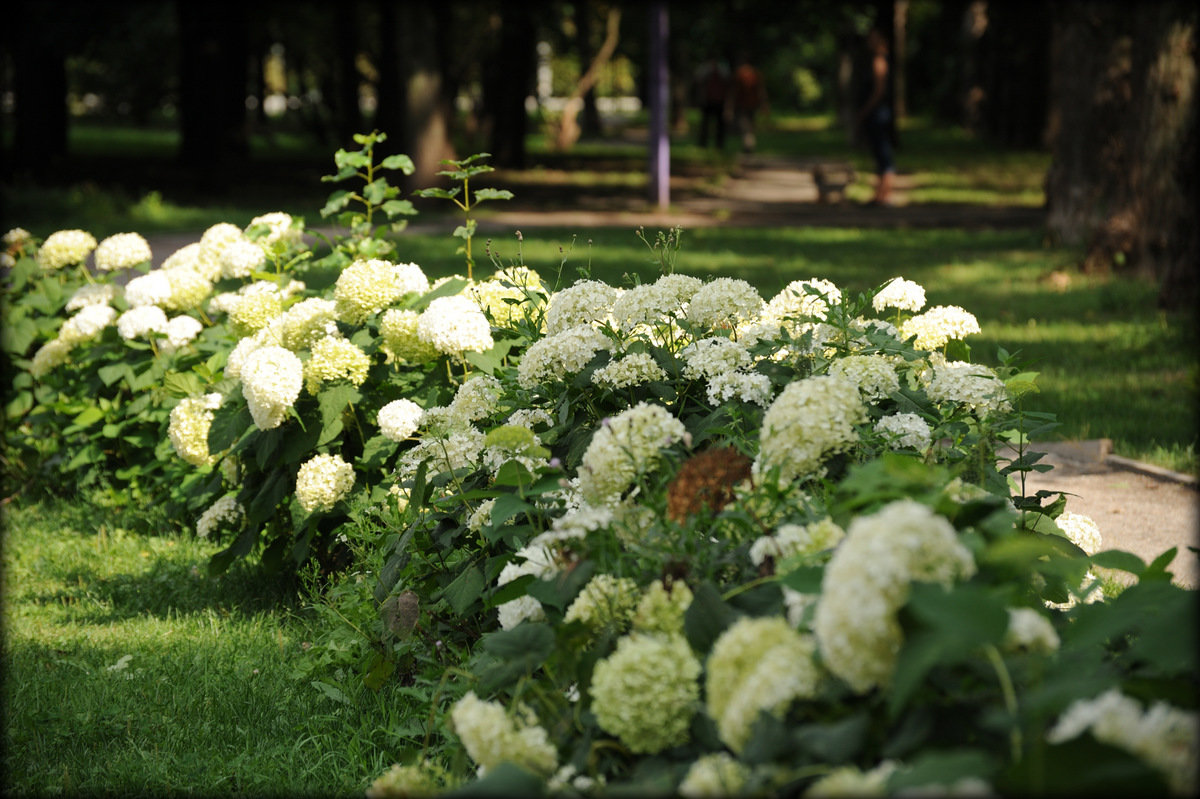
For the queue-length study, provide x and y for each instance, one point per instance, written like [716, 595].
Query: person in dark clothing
[875, 118]
[712, 93]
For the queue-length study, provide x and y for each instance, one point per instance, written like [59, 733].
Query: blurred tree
[1122, 182]
[509, 70]
[213, 81]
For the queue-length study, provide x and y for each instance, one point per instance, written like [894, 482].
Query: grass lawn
[129, 671]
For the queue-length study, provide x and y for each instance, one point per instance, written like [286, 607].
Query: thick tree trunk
[509, 73]
[1123, 179]
[40, 86]
[214, 53]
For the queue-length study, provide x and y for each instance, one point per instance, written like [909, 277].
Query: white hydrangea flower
[1030, 630]
[643, 305]
[335, 358]
[796, 302]
[181, 331]
[122, 251]
[153, 288]
[585, 303]
[714, 775]
[399, 419]
[625, 445]
[708, 357]
[904, 295]
[491, 736]
[190, 421]
[631, 370]
[867, 581]
[810, 419]
[646, 692]
[560, 355]
[322, 481]
[271, 380]
[65, 248]
[853, 781]
[186, 257]
[140, 322]
[972, 385]
[281, 227]
[256, 309]
[874, 375]
[724, 303]
[53, 353]
[743, 386]
[92, 294]
[606, 601]
[453, 326]
[226, 513]
[1081, 530]
[1162, 736]
[756, 665]
[906, 430]
[938, 326]
[240, 258]
[366, 287]
[477, 398]
[791, 540]
[189, 289]
[88, 324]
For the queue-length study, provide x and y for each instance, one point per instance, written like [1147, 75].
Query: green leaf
[805, 579]
[465, 589]
[440, 194]
[507, 506]
[448, 289]
[707, 617]
[332, 401]
[331, 691]
[505, 779]
[1118, 559]
[559, 591]
[182, 384]
[398, 161]
[933, 768]
[482, 195]
[269, 495]
[227, 427]
[513, 589]
[836, 741]
[88, 417]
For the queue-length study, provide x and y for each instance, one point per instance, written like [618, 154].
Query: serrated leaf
[707, 617]
[398, 161]
[482, 195]
[464, 589]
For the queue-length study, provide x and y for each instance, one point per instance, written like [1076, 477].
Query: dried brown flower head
[706, 482]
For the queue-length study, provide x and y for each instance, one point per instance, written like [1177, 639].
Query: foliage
[670, 536]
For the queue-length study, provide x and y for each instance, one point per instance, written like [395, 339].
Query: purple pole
[660, 143]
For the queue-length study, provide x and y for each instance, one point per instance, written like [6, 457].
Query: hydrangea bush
[671, 537]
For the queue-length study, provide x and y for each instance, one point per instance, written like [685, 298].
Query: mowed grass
[129, 671]
[1112, 365]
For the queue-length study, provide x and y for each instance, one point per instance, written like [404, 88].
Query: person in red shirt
[749, 98]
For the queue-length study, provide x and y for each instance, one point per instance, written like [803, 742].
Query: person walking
[875, 118]
[749, 97]
[712, 89]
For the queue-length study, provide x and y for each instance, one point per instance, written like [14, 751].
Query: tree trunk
[214, 54]
[40, 86]
[1013, 60]
[589, 115]
[510, 70]
[1123, 179]
[568, 130]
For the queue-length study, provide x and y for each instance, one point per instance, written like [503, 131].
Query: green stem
[1010, 698]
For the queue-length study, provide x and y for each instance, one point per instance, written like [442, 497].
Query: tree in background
[1123, 178]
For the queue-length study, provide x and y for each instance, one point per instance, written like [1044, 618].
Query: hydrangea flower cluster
[241, 258]
[559, 355]
[399, 419]
[971, 385]
[322, 481]
[585, 303]
[88, 324]
[905, 430]
[271, 381]
[65, 248]
[93, 294]
[307, 322]
[190, 422]
[633, 369]
[1030, 631]
[749, 387]
[605, 602]
[938, 326]
[646, 692]
[122, 251]
[723, 303]
[717, 774]
[142, 322]
[810, 419]
[454, 326]
[807, 300]
[901, 294]
[626, 445]
[398, 329]
[366, 287]
[335, 358]
[280, 227]
[873, 375]
[226, 513]
[792, 540]
[867, 581]
[189, 289]
[255, 309]
[661, 608]
[1162, 736]
[491, 736]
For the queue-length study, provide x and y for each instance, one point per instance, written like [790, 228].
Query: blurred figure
[875, 118]
[749, 97]
[712, 91]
